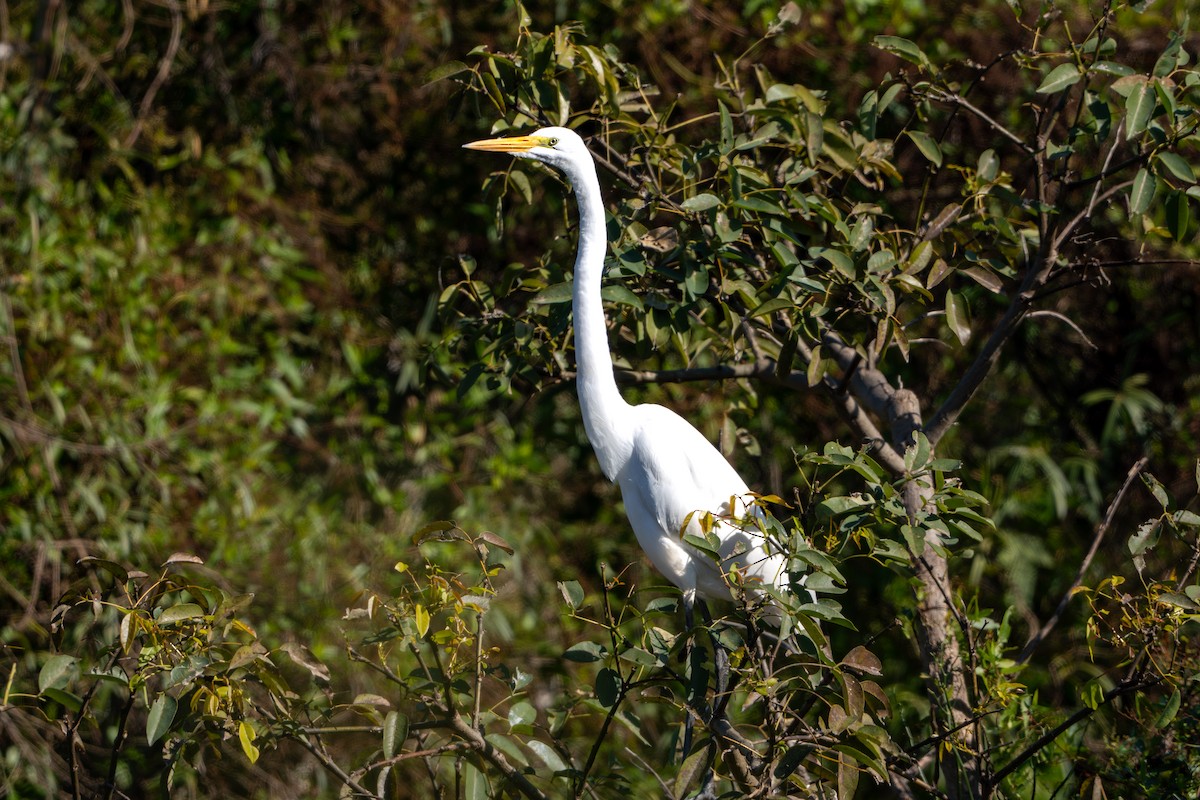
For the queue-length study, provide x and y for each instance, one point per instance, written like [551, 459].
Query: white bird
[670, 475]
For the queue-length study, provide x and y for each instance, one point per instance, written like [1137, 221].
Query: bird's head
[559, 147]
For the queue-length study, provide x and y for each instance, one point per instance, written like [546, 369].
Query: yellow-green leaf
[246, 736]
[421, 616]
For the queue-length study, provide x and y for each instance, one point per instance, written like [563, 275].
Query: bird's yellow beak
[508, 144]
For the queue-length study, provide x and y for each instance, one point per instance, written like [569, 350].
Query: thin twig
[164, 69]
[955, 99]
[1101, 531]
[1032, 750]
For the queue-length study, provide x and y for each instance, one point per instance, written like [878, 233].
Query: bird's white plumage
[670, 475]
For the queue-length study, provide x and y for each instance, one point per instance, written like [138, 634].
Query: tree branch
[495, 758]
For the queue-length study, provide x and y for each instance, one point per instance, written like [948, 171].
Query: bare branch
[720, 372]
[964, 103]
[495, 758]
[1068, 321]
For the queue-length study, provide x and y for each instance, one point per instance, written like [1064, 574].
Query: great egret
[670, 475]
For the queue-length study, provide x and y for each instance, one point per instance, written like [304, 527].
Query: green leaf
[637, 655]
[726, 127]
[621, 295]
[927, 145]
[790, 760]
[1157, 489]
[988, 165]
[546, 753]
[904, 48]
[57, 671]
[1139, 105]
[447, 70]
[1170, 709]
[1142, 191]
[847, 775]
[551, 295]
[956, 315]
[1059, 78]
[395, 731]
[522, 712]
[771, 306]
[608, 687]
[475, 783]
[161, 715]
[1185, 517]
[521, 181]
[68, 700]
[1177, 165]
[112, 567]
[701, 202]
[584, 652]
[839, 260]
[1170, 58]
[179, 613]
[421, 618]
[1112, 68]
[442, 530]
[1178, 215]
[572, 592]
[1176, 600]
[916, 455]
[691, 767]
[1145, 538]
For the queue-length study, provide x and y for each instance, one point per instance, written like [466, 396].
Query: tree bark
[939, 646]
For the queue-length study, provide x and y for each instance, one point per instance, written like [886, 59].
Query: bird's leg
[689, 621]
[721, 697]
[720, 662]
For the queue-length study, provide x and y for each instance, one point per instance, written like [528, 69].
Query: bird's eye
[554, 142]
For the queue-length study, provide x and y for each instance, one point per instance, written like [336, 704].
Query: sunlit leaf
[701, 202]
[246, 736]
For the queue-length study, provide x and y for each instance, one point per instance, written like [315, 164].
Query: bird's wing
[676, 475]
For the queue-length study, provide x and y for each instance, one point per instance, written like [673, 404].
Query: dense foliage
[926, 271]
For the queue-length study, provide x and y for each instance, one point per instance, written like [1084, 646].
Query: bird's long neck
[604, 410]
